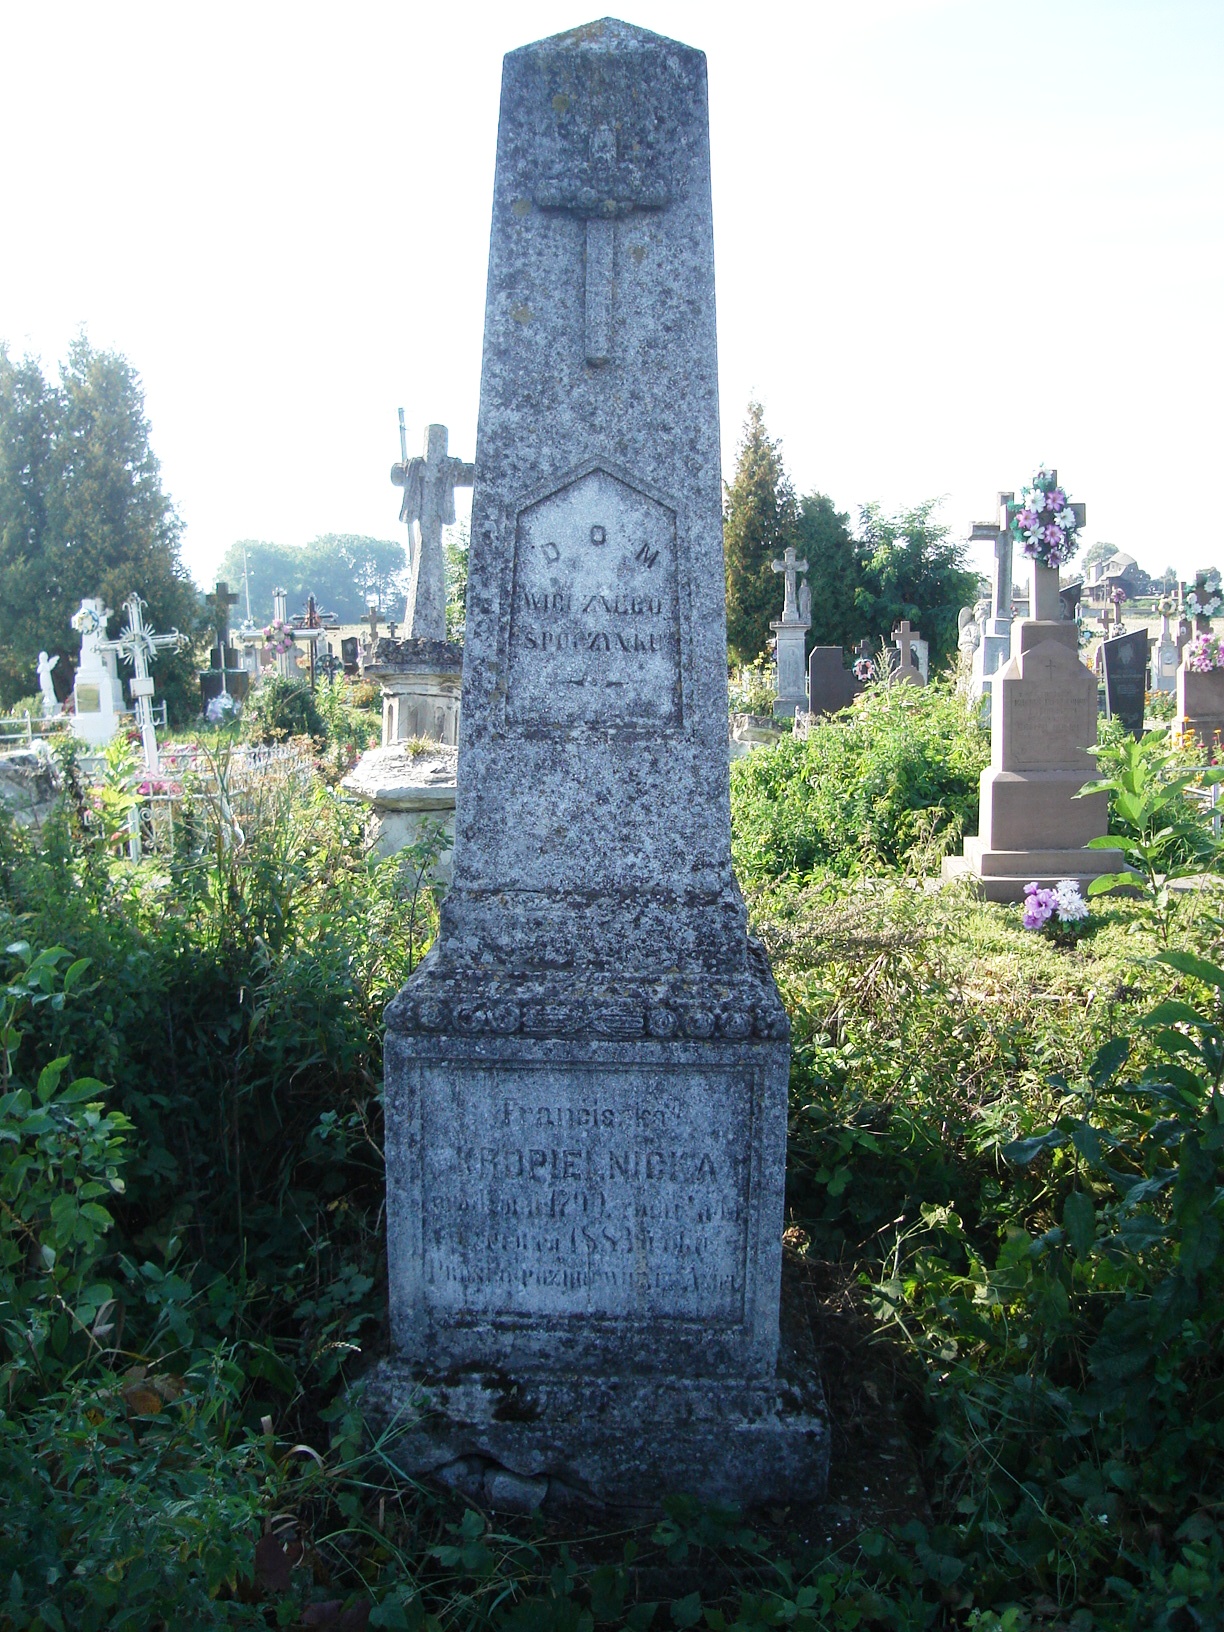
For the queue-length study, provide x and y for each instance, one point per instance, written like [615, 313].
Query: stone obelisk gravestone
[586, 1079]
[994, 649]
[419, 674]
[790, 635]
[1043, 706]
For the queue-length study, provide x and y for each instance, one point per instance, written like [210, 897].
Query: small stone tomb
[1125, 662]
[586, 1078]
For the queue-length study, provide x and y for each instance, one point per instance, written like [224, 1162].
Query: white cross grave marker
[138, 645]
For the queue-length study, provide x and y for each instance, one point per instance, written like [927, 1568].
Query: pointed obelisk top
[604, 34]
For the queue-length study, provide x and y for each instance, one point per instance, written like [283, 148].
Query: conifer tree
[82, 512]
[758, 524]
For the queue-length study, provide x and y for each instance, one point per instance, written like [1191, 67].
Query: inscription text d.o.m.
[594, 618]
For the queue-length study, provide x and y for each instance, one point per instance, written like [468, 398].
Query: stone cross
[221, 600]
[790, 566]
[429, 485]
[138, 645]
[280, 614]
[999, 535]
[902, 635]
[373, 619]
[600, 192]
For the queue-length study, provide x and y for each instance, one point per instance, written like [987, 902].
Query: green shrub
[278, 708]
[896, 770]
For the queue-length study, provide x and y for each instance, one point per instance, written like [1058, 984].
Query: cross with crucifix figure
[901, 637]
[790, 565]
[220, 601]
[601, 191]
[138, 645]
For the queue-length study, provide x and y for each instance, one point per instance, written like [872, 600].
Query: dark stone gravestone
[1125, 660]
[831, 685]
[1069, 600]
[350, 653]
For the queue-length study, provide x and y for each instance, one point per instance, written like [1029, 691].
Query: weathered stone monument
[1031, 826]
[790, 635]
[224, 685]
[586, 1078]
[419, 674]
[994, 649]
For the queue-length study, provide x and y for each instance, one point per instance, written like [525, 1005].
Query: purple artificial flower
[1028, 519]
[1039, 905]
[1057, 500]
[1052, 535]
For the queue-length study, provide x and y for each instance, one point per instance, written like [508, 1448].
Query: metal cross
[790, 566]
[138, 645]
[601, 192]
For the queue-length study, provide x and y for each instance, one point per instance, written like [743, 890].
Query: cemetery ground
[1003, 1237]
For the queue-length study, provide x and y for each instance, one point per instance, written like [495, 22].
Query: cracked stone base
[602, 1443]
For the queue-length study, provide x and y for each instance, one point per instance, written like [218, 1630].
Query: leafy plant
[858, 792]
[280, 708]
[1163, 836]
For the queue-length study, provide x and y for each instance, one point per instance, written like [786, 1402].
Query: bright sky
[954, 239]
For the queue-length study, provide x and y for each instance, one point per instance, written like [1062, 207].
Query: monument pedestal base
[1001, 875]
[584, 1440]
[406, 792]
[420, 685]
[584, 1217]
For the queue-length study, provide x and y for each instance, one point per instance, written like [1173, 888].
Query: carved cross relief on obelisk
[601, 192]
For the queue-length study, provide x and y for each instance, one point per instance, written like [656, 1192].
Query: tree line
[83, 513]
[863, 582]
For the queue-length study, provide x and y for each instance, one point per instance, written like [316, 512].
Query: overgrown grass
[864, 791]
[1017, 1225]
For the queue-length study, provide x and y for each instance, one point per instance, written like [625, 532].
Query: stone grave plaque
[88, 699]
[1050, 719]
[594, 619]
